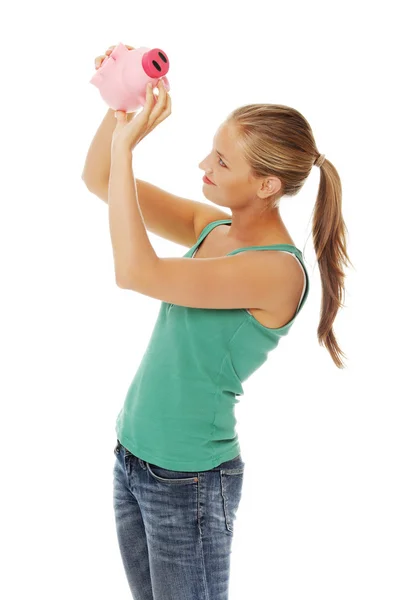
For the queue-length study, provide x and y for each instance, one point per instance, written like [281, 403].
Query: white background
[319, 516]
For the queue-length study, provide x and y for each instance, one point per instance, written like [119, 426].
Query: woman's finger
[163, 116]
[98, 60]
[160, 104]
[166, 112]
[164, 105]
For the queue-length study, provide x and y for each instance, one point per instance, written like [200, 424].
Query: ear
[269, 187]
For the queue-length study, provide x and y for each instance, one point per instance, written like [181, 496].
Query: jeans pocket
[231, 486]
[171, 477]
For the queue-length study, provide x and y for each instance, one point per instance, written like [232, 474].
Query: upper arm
[251, 279]
[179, 220]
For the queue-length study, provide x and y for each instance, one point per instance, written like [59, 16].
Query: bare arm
[98, 159]
[167, 215]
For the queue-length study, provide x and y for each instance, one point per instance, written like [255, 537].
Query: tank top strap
[283, 247]
[207, 230]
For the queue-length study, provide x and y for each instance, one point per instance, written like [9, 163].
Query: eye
[221, 161]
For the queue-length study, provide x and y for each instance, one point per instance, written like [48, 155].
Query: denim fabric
[175, 528]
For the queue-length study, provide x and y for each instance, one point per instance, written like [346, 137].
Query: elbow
[120, 282]
[124, 282]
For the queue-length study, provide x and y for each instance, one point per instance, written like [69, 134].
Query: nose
[203, 167]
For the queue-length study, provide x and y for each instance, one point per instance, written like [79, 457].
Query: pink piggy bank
[124, 75]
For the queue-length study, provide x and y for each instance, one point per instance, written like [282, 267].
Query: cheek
[229, 182]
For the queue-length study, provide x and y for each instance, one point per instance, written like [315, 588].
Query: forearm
[98, 158]
[132, 250]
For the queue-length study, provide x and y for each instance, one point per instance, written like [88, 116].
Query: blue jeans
[174, 528]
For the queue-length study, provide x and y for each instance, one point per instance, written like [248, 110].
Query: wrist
[119, 150]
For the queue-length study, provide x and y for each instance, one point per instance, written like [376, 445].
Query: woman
[178, 473]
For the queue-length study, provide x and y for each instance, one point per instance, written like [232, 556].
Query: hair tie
[319, 160]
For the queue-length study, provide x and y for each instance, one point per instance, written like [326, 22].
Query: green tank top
[179, 409]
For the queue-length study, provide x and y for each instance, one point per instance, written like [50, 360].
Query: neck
[248, 228]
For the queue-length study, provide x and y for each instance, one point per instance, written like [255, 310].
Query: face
[227, 169]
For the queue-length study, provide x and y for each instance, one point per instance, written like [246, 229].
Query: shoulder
[284, 270]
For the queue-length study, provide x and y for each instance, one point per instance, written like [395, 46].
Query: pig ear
[119, 50]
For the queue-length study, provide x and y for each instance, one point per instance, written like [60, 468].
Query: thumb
[120, 115]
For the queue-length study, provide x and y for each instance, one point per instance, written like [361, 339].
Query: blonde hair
[277, 140]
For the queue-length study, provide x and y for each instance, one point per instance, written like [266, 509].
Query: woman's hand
[127, 134]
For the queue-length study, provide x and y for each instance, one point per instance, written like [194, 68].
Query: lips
[205, 178]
